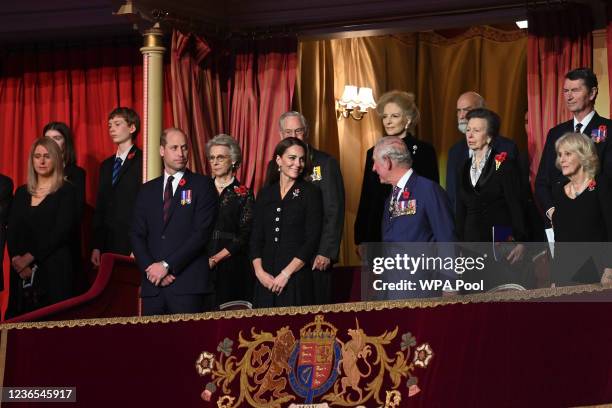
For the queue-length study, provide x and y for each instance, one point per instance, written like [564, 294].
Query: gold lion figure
[354, 349]
[274, 366]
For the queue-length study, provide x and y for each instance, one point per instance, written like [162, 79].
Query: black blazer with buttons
[548, 174]
[115, 204]
[283, 229]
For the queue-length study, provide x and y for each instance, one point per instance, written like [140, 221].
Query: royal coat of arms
[317, 370]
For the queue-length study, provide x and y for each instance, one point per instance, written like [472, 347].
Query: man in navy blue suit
[579, 93]
[417, 209]
[459, 152]
[173, 219]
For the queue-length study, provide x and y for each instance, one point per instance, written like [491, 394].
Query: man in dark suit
[173, 219]
[325, 174]
[417, 210]
[6, 196]
[392, 105]
[579, 93]
[459, 152]
[120, 180]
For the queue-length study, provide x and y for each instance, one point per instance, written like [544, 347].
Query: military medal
[403, 205]
[185, 197]
[316, 173]
[600, 134]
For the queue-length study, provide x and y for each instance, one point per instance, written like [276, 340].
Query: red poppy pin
[499, 159]
[131, 156]
[240, 190]
[592, 185]
[406, 194]
[182, 182]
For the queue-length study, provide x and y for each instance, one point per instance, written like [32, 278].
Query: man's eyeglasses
[294, 132]
[220, 158]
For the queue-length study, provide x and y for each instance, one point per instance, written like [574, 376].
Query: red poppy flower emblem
[182, 182]
[499, 159]
[131, 156]
[240, 190]
[406, 194]
[592, 185]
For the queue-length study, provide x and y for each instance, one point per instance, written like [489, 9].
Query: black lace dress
[234, 276]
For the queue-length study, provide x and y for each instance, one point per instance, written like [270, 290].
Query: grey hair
[281, 120]
[584, 148]
[229, 142]
[394, 149]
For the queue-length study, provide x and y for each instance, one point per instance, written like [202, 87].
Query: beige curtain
[435, 68]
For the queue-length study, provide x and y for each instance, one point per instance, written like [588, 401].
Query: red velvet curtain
[200, 89]
[264, 81]
[78, 85]
[241, 87]
[560, 39]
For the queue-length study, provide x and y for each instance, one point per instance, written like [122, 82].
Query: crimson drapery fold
[560, 39]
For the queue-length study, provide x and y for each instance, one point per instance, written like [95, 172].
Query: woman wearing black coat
[40, 234]
[286, 231]
[489, 207]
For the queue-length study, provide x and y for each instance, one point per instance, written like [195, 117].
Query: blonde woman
[41, 228]
[399, 116]
[582, 206]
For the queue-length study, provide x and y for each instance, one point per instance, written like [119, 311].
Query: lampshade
[365, 99]
[349, 97]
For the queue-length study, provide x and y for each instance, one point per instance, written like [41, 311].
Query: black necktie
[167, 198]
[578, 127]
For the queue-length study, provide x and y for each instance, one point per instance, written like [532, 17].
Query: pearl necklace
[223, 185]
[584, 185]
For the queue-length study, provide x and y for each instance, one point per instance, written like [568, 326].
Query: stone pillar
[152, 81]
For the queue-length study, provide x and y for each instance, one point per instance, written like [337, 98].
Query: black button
[163, 237]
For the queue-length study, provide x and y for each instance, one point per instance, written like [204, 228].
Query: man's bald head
[466, 102]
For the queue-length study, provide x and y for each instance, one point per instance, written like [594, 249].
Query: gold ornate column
[153, 55]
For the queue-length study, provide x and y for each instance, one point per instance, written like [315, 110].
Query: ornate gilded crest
[319, 369]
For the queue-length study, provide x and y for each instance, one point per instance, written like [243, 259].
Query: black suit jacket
[548, 174]
[374, 194]
[115, 204]
[326, 174]
[459, 153]
[182, 240]
[496, 200]
[6, 196]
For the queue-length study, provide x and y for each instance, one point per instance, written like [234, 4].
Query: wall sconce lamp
[354, 102]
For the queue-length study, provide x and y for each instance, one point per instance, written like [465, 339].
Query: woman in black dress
[400, 116]
[286, 230]
[75, 175]
[40, 232]
[489, 207]
[228, 246]
[62, 135]
[581, 213]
